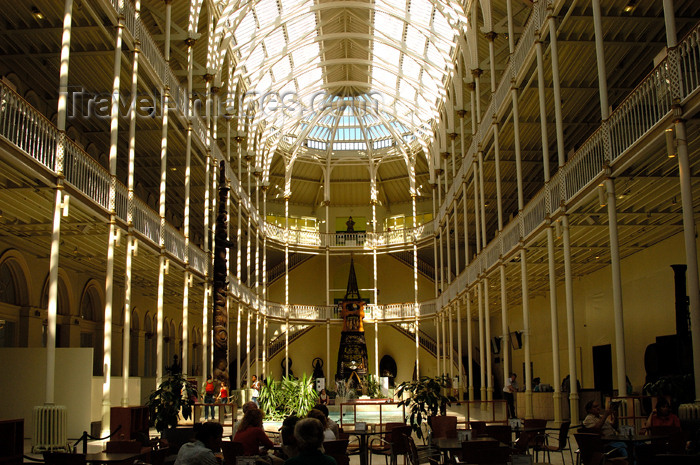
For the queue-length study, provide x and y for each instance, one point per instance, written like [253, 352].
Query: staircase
[277, 271]
[424, 268]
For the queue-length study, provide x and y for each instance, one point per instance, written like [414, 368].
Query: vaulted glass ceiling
[344, 75]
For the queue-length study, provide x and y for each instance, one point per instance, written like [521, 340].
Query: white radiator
[689, 411]
[50, 426]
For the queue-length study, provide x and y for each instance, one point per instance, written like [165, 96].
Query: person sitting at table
[290, 447]
[328, 434]
[201, 451]
[662, 416]
[309, 433]
[251, 434]
[247, 406]
[330, 423]
[605, 425]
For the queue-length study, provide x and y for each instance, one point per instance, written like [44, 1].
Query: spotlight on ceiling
[631, 5]
[36, 12]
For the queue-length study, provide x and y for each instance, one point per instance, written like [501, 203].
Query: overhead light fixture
[602, 198]
[670, 143]
[36, 12]
[631, 5]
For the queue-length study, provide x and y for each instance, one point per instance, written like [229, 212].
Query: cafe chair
[671, 439]
[484, 453]
[353, 444]
[414, 458]
[562, 443]
[338, 450]
[443, 426]
[478, 429]
[392, 445]
[501, 433]
[591, 451]
[231, 450]
[63, 458]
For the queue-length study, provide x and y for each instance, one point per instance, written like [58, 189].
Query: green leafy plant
[680, 389]
[425, 399]
[371, 387]
[291, 396]
[174, 395]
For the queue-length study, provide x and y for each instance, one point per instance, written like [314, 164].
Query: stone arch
[65, 295]
[13, 81]
[34, 100]
[92, 301]
[74, 135]
[14, 278]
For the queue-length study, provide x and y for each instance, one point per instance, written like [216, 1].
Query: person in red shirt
[251, 434]
[662, 416]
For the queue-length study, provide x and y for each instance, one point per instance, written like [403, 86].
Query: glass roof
[343, 75]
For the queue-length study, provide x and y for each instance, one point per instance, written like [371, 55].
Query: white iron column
[570, 322]
[416, 307]
[287, 196]
[487, 341]
[450, 342]
[460, 371]
[684, 172]
[612, 212]
[131, 240]
[186, 215]
[112, 237]
[470, 350]
[60, 204]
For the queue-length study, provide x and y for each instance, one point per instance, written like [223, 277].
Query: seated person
[251, 434]
[662, 416]
[330, 423]
[247, 406]
[289, 443]
[201, 451]
[309, 435]
[605, 425]
[328, 434]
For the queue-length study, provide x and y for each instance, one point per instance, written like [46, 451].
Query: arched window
[91, 304]
[149, 326]
[134, 355]
[8, 285]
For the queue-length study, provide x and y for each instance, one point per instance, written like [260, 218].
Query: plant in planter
[678, 389]
[174, 395]
[291, 396]
[426, 399]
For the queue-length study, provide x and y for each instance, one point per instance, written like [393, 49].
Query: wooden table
[450, 446]
[113, 458]
[632, 441]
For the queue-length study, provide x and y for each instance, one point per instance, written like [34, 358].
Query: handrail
[646, 106]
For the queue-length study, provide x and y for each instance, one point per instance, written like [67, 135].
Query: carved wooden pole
[221, 243]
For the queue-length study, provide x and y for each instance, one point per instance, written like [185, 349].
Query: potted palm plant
[425, 399]
[174, 395]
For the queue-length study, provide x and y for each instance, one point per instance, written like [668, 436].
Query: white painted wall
[24, 385]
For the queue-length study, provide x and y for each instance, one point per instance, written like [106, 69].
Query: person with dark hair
[201, 451]
[208, 398]
[604, 424]
[251, 434]
[662, 416]
[330, 424]
[328, 434]
[289, 443]
[509, 390]
[309, 435]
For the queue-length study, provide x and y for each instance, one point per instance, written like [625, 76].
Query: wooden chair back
[590, 446]
[338, 450]
[443, 426]
[478, 428]
[231, 450]
[501, 433]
